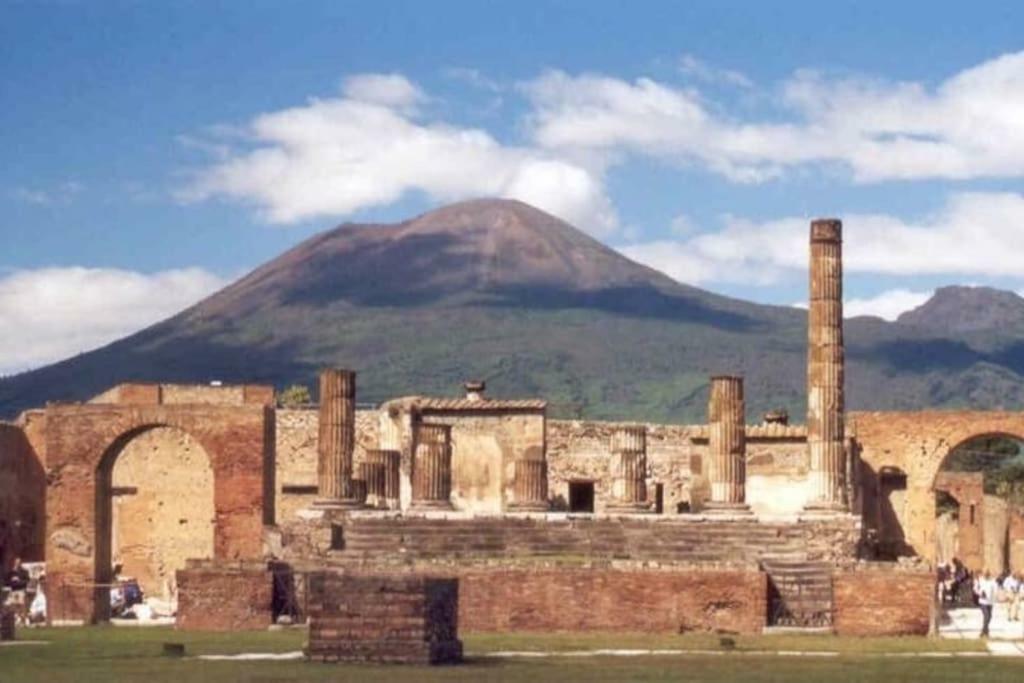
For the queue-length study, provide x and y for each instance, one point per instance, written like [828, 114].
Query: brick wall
[224, 598]
[401, 619]
[656, 601]
[882, 602]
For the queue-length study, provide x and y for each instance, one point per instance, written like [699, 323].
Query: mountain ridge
[501, 290]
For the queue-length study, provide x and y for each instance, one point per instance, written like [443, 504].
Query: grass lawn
[83, 655]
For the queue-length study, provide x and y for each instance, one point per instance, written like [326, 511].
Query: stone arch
[919, 443]
[82, 441]
[144, 484]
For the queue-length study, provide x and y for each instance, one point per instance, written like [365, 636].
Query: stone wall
[656, 601]
[381, 618]
[968, 489]
[916, 444]
[881, 600]
[777, 465]
[1015, 538]
[296, 437]
[83, 443]
[162, 511]
[136, 393]
[224, 597]
[22, 497]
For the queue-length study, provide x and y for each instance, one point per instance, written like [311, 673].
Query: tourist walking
[985, 590]
[1013, 586]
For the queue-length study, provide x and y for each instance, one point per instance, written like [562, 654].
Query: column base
[826, 507]
[623, 508]
[727, 509]
[338, 504]
[428, 505]
[529, 506]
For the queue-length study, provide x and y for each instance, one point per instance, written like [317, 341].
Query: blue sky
[155, 151]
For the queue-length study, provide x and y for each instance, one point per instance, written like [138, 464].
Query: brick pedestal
[401, 619]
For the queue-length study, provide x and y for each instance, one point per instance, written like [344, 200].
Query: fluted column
[825, 368]
[531, 485]
[337, 438]
[375, 476]
[727, 446]
[629, 469]
[432, 467]
[392, 468]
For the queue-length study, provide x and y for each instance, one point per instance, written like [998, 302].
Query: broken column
[727, 446]
[375, 476]
[531, 485]
[629, 469]
[825, 431]
[432, 467]
[337, 438]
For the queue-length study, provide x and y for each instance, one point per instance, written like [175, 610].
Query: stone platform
[396, 619]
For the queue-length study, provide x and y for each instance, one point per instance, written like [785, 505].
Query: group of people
[991, 590]
[957, 586]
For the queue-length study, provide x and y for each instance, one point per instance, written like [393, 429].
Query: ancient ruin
[233, 507]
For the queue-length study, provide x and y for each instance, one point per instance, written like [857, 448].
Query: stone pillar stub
[432, 467]
[826, 369]
[727, 446]
[629, 470]
[531, 485]
[336, 442]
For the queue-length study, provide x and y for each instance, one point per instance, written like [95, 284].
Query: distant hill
[499, 290]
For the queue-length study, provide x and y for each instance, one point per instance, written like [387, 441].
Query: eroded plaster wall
[162, 507]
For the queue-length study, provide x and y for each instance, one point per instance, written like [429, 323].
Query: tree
[294, 396]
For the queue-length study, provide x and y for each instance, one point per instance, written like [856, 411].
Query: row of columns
[432, 450]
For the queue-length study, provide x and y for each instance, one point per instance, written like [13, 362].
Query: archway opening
[155, 510]
[978, 482]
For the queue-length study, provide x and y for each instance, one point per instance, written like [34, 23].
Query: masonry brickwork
[383, 618]
[224, 597]
[599, 599]
[882, 601]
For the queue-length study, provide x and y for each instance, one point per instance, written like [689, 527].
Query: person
[1013, 587]
[16, 581]
[985, 589]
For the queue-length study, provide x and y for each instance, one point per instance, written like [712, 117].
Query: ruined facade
[196, 488]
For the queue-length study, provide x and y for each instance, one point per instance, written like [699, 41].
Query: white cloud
[966, 127]
[51, 313]
[702, 71]
[388, 90]
[61, 193]
[886, 305]
[336, 156]
[973, 234]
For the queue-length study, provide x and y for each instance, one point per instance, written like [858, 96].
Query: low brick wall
[882, 601]
[229, 597]
[599, 599]
[398, 619]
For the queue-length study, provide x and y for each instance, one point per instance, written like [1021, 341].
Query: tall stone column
[629, 469]
[337, 438]
[531, 485]
[432, 467]
[727, 446]
[825, 372]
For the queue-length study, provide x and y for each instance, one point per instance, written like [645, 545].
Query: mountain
[967, 309]
[499, 290]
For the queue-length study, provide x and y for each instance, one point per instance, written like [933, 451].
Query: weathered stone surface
[882, 601]
[22, 496]
[432, 469]
[224, 597]
[83, 443]
[654, 601]
[727, 443]
[381, 618]
[825, 399]
[628, 447]
[336, 445]
[915, 445]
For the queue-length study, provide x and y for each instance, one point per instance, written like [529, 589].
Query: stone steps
[800, 593]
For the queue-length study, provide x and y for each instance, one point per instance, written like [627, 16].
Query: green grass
[84, 655]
